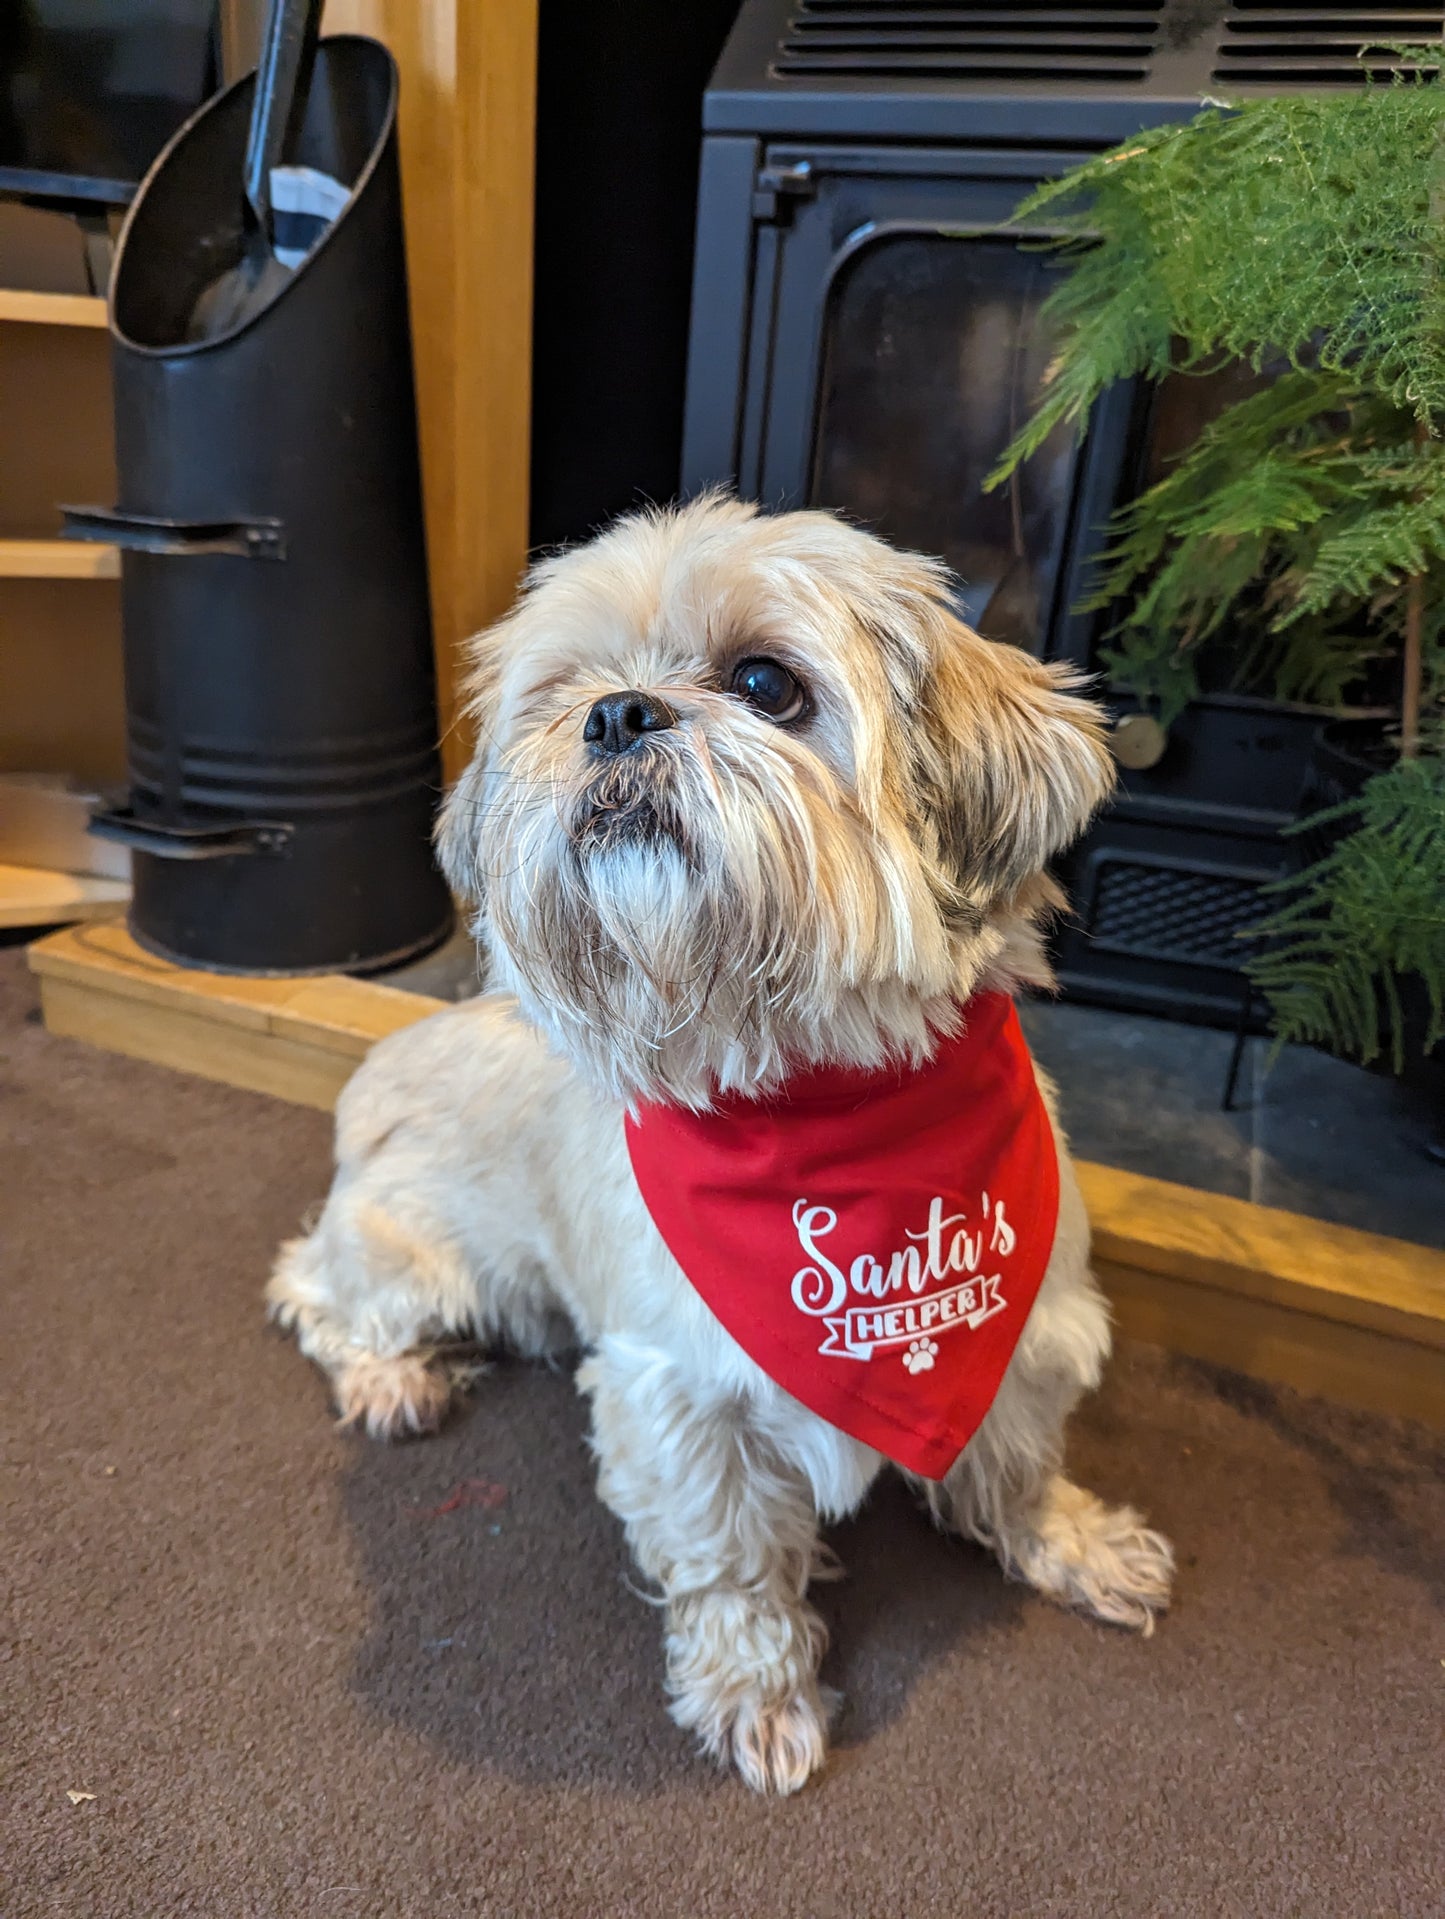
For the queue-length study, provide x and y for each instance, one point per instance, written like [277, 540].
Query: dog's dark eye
[771, 688]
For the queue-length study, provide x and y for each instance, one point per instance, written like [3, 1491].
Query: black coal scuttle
[280, 693]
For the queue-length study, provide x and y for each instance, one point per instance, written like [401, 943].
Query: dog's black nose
[619, 720]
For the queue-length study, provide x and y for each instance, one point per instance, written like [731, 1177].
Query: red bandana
[874, 1240]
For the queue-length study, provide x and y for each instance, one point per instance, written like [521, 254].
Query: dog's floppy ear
[1012, 764]
[457, 834]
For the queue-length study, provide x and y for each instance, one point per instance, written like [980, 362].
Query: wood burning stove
[866, 336]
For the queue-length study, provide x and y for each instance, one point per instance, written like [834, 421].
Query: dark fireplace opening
[912, 321]
[866, 336]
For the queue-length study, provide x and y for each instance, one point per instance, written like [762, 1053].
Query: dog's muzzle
[627, 804]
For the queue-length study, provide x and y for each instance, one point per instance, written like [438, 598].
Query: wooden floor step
[1355, 1316]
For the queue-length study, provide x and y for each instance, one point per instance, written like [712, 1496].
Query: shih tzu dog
[757, 833]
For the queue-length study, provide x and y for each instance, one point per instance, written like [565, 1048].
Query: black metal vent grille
[1265, 43]
[1045, 40]
[1161, 912]
[1048, 43]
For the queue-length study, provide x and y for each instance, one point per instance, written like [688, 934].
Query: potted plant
[1298, 546]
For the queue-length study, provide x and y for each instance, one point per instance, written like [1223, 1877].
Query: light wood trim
[1232, 1246]
[492, 323]
[467, 127]
[51, 309]
[40, 896]
[58, 560]
[196, 1043]
[297, 1039]
[1277, 1343]
[348, 1016]
[341, 1015]
[1352, 1315]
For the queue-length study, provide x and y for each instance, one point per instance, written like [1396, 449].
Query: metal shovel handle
[283, 79]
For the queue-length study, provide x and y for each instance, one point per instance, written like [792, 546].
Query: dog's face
[746, 792]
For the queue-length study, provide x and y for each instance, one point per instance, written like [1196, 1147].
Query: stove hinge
[777, 190]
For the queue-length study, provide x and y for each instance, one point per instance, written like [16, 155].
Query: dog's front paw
[744, 1678]
[1101, 1558]
[775, 1744]
[777, 1749]
[394, 1398]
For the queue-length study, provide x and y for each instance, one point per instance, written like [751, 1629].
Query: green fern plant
[1355, 926]
[1305, 225]
[1300, 542]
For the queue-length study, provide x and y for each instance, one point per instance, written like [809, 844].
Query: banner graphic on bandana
[859, 1332]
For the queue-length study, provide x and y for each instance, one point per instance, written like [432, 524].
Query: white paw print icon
[920, 1355]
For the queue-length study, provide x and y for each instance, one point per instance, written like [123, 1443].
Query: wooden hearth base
[1350, 1315]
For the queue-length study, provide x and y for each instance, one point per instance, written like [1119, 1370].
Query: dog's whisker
[562, 718]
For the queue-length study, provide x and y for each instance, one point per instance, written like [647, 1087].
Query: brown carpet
[301, 1676]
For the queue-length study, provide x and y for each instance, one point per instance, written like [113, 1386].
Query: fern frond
[1303, 506]
[1305, 225]
[1357, 925]
[1376, 542]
